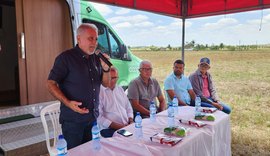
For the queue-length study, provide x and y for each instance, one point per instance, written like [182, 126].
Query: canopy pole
[183, 39]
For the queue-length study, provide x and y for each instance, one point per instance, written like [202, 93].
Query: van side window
[115, 53]
[103, 40]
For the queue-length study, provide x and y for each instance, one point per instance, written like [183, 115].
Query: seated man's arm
[171, 95]
[134, 96]
[130, 120]
[137, 106]
[128, 108]
[192, 94]
[161, 99]
[162, 104]
[116, 126]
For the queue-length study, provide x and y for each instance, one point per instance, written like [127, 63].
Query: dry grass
[243, 81]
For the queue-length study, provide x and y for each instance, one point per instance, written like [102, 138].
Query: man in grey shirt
[145, 89]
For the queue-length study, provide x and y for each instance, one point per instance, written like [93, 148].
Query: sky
[140, 28]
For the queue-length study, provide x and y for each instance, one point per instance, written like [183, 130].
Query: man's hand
[130, 121]
[103, 64]
[74, 105]
[217, 105]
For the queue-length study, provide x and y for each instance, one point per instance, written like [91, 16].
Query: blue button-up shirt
[79, 77]
[181, 86]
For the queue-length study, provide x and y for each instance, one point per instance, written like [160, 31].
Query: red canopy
[190, 8]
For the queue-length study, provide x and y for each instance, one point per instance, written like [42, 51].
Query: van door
[43, 31]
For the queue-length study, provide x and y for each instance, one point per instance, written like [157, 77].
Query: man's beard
[177, 73]
[92, 52]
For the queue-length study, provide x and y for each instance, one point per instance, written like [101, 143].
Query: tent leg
[183, 39]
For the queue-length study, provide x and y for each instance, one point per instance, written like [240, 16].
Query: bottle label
[138, 125]
[95, 136]
[62, 151]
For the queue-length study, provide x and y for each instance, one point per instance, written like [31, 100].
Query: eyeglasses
[112, 78]
[146, 69]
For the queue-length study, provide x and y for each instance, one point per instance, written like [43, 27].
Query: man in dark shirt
[75, 80]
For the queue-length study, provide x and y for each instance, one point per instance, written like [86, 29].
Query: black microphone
[100, 55]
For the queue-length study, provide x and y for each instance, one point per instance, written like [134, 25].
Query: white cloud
[116, 19]
[123, 25]
[144, 24]
[104, 10]
[267, 17]
[178, 23]
[132, 19]
[122, 11]
[224, 22]
[137, 18]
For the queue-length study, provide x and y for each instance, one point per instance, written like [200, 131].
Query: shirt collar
[150, 81]
[200, 74]
[107, 88]
[80, 51]
[174, 76]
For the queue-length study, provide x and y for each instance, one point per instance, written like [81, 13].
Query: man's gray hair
[81, 29]
[145, 62]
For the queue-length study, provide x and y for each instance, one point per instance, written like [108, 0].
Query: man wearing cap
[202, 83]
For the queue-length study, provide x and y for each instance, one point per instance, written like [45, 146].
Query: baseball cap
[205, 60]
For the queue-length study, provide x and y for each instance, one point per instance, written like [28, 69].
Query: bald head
[87, 36]
[85, 26]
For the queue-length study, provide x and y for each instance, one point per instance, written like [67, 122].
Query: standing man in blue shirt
[75, 80]
[178, 84]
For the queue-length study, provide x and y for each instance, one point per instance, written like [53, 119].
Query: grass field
[242, 80]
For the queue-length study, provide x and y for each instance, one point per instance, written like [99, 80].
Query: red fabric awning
[190, 8]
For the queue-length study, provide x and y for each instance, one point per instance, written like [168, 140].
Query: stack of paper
[165, 139]
[208, 110]
[193, 122]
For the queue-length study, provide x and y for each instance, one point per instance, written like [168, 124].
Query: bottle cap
[60, 136]
[94, 123]
[138, 113]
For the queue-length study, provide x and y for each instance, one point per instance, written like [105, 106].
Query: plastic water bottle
[197, 105]
[61, 146]
[175, 105]
[96, 137]
[170, 115]
[153, 111]
[138, 126]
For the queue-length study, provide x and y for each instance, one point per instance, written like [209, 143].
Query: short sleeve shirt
[79, 77]
[180, 86]
[138, 90]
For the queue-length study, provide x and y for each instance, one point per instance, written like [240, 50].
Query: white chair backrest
[53, 111]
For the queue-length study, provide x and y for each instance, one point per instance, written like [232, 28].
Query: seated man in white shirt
[115, 111]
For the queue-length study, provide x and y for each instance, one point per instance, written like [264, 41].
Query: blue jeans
[226, 108]
[76, 133]
[106, 133]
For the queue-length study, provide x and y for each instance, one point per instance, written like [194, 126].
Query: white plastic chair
[53, 112]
